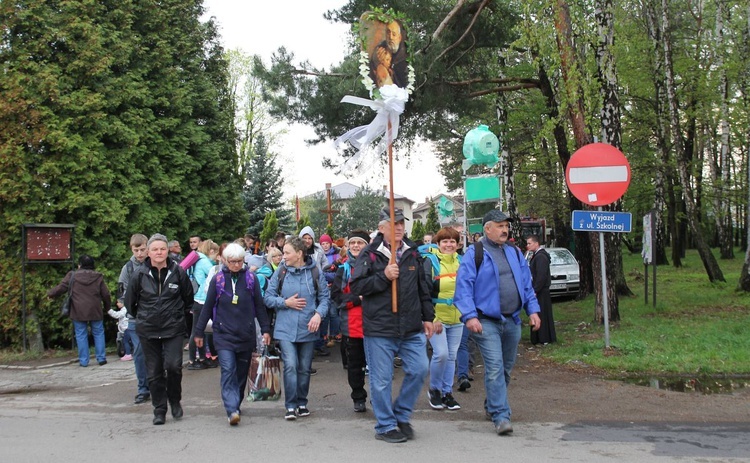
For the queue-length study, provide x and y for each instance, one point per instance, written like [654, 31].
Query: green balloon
[481, 146]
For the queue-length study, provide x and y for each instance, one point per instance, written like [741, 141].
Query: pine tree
[262, 191]
[360, 211]
[417, 231]
[270, 227]
[433, 224]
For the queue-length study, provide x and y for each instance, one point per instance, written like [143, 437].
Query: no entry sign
[598, 174]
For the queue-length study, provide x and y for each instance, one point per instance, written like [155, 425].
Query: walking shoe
[397, 362]
[234, 419]
[463, 383]
[303, 411]
[503, 428]
[159, 419]
[394, 436]
[313, 371]
[196, 365]
[177, 412]
[211, 363]
[290, 415]
[450, 403]
[126, 358]
[330, 342]
[406, 430]
[141, 398]
[102, 363]
[360, 407]
[436, 399]
[338, 337]
[322, 352]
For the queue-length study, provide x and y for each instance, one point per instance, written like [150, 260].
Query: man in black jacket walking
[159, 295]
[389, 333]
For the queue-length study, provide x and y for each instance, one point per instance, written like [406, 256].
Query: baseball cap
[385, 214]
[496, 215]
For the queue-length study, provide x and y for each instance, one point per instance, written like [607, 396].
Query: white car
[565, 272]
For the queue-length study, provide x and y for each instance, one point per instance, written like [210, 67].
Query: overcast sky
[261, 27]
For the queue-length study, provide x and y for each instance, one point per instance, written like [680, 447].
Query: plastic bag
[264, 377]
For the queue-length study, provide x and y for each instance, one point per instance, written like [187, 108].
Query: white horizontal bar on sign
[603, 174]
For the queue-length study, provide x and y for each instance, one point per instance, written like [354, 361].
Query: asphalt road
[67, 412]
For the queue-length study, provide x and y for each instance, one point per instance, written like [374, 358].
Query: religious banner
[389, 78]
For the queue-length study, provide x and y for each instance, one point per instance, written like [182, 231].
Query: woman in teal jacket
[300, 303]
[208, 252]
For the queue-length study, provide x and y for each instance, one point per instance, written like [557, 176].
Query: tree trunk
[683, 165]
[724, 211]
[661, 177]
[506, 159]
[570, 67]
[744, 283]
[612, 134]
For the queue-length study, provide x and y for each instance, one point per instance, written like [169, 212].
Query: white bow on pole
[391, 106]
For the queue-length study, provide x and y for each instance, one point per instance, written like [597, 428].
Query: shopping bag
[264, 377]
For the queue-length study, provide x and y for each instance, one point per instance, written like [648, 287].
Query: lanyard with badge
[235, 297]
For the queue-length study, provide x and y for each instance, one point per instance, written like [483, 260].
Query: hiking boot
[504, 427]
[211, 363]
[290, 415]
[436, 399]
[159, 419]
[360, 407]
[394, 436]
[450, 403]
[303, 411]
[463, 383]
[234, 419]
[406, 430]
[196, 365]
[177, 412]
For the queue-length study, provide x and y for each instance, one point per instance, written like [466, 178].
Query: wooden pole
[392, 206]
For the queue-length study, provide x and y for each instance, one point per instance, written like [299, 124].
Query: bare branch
[510, 88]
[466, 32]
[305, 72]
[505, 80]
[442, 25]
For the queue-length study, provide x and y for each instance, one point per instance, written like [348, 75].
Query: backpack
[221, 282]
[121, 287]
[479, 253]
[424, 251]
[282, 275]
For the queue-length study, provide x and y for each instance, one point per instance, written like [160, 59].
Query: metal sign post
[599, 174]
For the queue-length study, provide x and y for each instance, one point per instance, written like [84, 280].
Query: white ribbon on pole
[391, 106]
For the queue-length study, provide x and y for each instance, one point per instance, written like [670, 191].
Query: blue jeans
[498, 344]
[126, 343]
[139, 360]
[380, 352]
[443, 363]
[463, 356]
[331, 325]
[82, 339]
[234, 368]
[297, 358]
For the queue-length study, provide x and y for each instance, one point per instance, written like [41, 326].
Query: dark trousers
[355, 366]
[192, 348]
[164, 368]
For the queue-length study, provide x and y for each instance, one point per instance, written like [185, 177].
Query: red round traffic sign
[598, 174]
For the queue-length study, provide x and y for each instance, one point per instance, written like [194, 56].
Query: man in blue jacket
[491, 290]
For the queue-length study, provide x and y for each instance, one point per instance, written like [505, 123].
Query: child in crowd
[123, 336]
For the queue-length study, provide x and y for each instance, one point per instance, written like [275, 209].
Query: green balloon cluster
[481, 146]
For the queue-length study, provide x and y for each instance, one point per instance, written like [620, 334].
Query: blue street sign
[602, 221]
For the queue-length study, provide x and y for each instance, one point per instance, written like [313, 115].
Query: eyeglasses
[235, 262]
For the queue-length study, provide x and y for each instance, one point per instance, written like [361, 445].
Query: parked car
[565, 272]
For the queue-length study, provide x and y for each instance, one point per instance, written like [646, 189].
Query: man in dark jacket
[394, 331]
[541, 279]
[159, 295]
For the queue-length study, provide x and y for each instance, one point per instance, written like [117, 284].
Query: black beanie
[359, 234]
